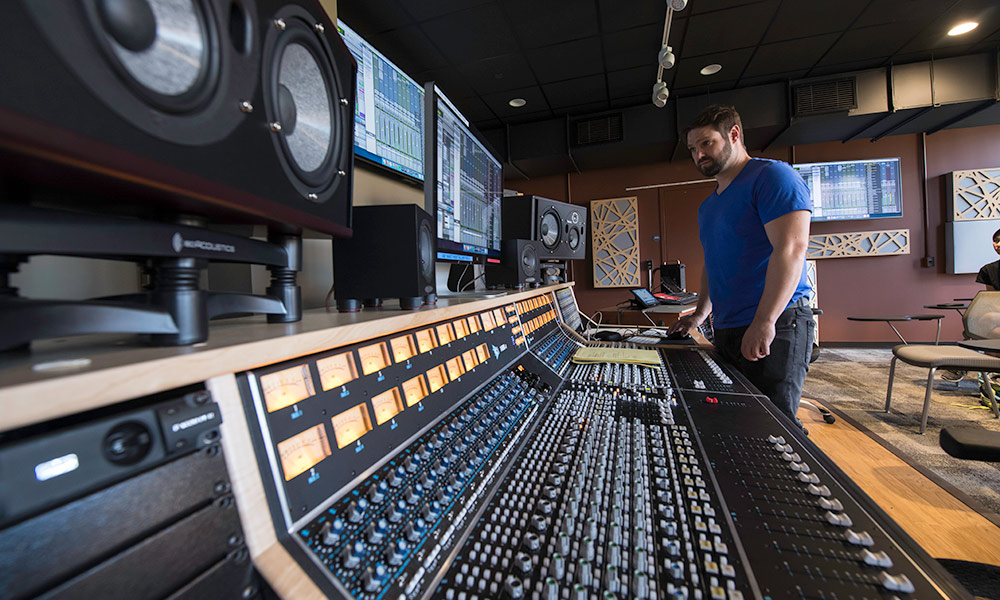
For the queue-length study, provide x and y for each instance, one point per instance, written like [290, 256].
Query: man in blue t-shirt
[754, 231]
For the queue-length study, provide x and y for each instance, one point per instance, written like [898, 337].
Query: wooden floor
[943, 525]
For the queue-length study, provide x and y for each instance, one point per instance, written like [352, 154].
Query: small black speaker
[672, 278]
[233, 110]
[390, 256]
[561, 228]
[519, 265]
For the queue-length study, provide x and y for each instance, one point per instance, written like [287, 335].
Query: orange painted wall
[847, 286]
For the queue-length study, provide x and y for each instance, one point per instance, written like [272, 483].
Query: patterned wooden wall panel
[859, 243]
[975, 194]
[614, 235]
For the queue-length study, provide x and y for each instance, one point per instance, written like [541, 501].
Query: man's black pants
[779, 375]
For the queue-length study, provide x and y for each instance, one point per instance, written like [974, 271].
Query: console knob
[396, 511]
[374, 576]
[396, 552]
[376, 531]
[514, 588]
[331, 532]
[350, 556]
[557, 568]
[356, 509]
[377, 492]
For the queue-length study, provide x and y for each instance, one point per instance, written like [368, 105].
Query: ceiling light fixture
[660, 94]
[517, 102]
[666, 58]
[963, 28]
[711, 69]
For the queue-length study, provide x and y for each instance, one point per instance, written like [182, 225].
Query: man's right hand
[684, 325]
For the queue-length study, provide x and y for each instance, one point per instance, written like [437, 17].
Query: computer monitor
[464, 184]
[389, 114]
[854, 189]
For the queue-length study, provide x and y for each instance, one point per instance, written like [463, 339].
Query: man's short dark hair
[996, 235]
[720, 117]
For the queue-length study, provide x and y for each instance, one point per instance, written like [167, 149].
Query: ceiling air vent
[601, 129]
[837, 95]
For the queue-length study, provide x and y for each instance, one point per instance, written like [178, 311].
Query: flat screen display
[389, 114]
[853, 189]
[465, 185]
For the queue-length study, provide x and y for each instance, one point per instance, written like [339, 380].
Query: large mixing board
[473, 460]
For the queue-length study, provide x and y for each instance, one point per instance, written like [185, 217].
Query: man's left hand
[757, 340]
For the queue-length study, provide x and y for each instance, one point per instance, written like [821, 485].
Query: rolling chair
[981, 321]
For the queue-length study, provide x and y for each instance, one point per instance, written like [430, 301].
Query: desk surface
[981, 345]
[897, 318]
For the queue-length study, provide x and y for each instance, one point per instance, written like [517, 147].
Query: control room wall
[846, 286]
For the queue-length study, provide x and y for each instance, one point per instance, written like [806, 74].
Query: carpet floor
[852, 383]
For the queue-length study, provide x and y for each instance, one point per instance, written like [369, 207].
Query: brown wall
[847, 286]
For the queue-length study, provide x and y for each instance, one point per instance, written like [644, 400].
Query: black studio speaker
[560, 227]
[519, 265]
[391, 255]
[231, 110]
[672, 278]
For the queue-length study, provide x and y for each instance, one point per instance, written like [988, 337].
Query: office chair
[981, 321]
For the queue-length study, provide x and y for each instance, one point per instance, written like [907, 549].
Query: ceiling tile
[698, 7]
[497, 74]
[532, 95]
[870, 42]
[368, 17]
[428, 9]
[773, 77]
[848, 67]
[689, 69]
[583, 90]
[474, 108]
[632, 82]
[580, 110]
[567, 61]
[552, 21]
[639, 13]
[409, 48]
[632, 47]
[737, 27]
[637, 100]
[803, 19]
[449, 80]
[789, 55]
[896, 11]
[472, 34]
[528, 117]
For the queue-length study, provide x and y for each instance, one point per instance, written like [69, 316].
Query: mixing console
[544, 479]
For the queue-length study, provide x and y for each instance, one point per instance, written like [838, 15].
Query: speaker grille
[825, 97]
[599, 130]
[529, 260]
[549, 229]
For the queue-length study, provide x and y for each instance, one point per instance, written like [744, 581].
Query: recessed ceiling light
[517, 102]
[711, 69]
[963, 28]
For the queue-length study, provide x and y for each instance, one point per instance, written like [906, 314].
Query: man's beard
[714, 167]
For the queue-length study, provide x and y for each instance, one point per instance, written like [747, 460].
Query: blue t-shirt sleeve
[779, 191]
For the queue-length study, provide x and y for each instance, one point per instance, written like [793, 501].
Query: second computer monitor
[464, 184]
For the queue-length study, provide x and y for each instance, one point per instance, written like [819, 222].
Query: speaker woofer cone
[301, 95]
[165, 50]
[529, 261]
[574, 238]
[548, 229]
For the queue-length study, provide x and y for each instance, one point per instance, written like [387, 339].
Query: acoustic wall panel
[615, 240]
[859, 243]
[968, 245]
[975, 194]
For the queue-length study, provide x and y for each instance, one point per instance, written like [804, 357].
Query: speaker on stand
[391, 255]
[519, 266]
[172, 111]
[560, 227]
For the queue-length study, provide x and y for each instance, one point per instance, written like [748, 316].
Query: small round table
[959, 307]
[889, 320]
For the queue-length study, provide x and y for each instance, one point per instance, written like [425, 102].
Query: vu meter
[473, 324]
[425, 340]
[387, 405]
[445, 334]
[483, 352]
[455, 369]
[301, 452]
[402, 348]
[335, 371]
[351, 424]
[287, 387]
[436, 377]
[373, 358]
[415, 390]
[469, 358]
[461, 329]
[488, 322]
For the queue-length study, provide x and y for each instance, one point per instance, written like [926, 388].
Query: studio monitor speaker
[560, 227]
[519, 266]
[391, 255]
[232, 110]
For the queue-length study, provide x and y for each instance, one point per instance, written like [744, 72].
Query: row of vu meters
[553, 480]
